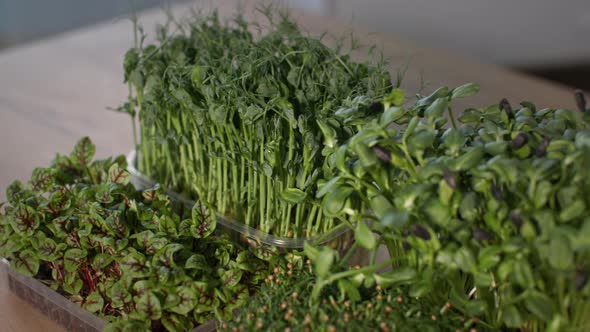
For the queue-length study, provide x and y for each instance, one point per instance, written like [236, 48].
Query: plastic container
[58, 308]
[340, 237]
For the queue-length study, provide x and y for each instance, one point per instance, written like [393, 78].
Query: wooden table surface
[55, 91]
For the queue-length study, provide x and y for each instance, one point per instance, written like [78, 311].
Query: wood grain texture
[55, 91]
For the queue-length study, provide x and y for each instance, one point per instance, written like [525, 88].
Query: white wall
[515, 32]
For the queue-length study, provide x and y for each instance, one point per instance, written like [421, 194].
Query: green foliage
[244, 122]
[283, 302]
[128, 256]
[489, 215]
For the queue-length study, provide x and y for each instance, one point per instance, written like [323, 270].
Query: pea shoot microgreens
[244, 121]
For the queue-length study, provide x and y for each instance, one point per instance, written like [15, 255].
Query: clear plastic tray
[58, 308]
[339, 238]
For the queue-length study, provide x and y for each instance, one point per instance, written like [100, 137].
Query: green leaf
[293, 195]
[364, 236]
[542, 193]
[323, 262]
[523, 274]
[395, 98]
[391, 114]
[379, 205]
[394, 219]
[400, 275]
[83, 152]
[187, 300]
[348, 290]
[101, 261]
[42, 179]
[231, 278]
[204, 220]
[48, 250]
[489, 257]
[469, 159]
[26, 220]
[465, 90]
[310, 251]
[134, 264]
[410, 129]
[198, 75]
[421, 288]
[437, 108]
[438, 93]
[26, 263]
[573, 210]
[176, 323]
[119, 295]
[476, 307]
[327, 187]
[484, 279]
[196, 262]
[464, 259]
[561, 256]
[73, 258]
[512, 317]
[334, 203]
[93, 302]
[117, 174]
[148, 306]
[540, 305]
[366, 155]
[266, 253]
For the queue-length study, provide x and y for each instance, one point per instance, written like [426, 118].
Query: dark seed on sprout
[420, 231]
[381, 153]
[505, 105]
[406, 245]
[450, 178]
[376, 107]
[581, 279]
[580, 100]
[497, 191]
[481, 235]
[516, 218]
[519, 141]
[541, 150]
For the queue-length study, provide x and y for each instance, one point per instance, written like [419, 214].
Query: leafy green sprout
[244, 122]
[137, 259]
[491, 210]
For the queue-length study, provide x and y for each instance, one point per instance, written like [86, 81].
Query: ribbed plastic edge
[341, 233]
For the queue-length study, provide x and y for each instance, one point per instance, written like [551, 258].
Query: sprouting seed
[541, 150]
[406, 245]
[580, 279]
[420, 231]
[481, 235]
[516, 218]
[381, 153]
[376, 107]
[580, 100]
[505, 105]
[497, 191]
[450, 178]
[519, 141]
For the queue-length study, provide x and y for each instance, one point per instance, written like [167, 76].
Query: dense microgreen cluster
[490, 215]
[242, 120]
[132, 257]
[283, 304]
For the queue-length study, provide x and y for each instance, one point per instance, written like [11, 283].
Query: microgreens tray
[340, 237]
[58, 308]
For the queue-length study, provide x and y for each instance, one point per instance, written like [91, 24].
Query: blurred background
[547, 38]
